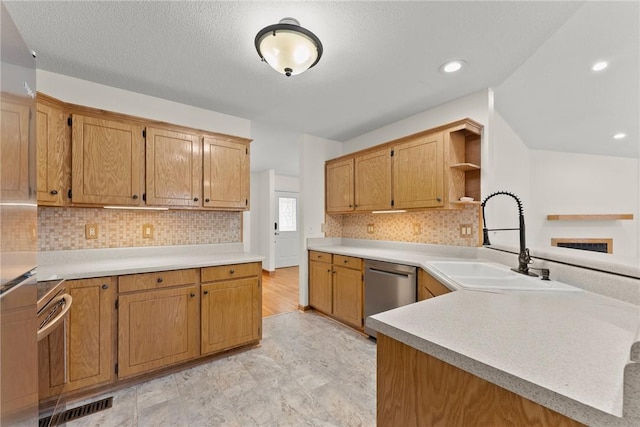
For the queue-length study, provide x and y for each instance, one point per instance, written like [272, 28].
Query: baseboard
[269, 273]
[304, 307]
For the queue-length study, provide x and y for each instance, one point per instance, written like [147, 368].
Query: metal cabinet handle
[346, 261]
[206, 292]
[192, 295]
[329, 271]
[105, 286]
[135, 197]
[159, 280]
[438, 199]
[195, 199]
[206, 200]
[52, 324]
[232, 271]
[53, 192]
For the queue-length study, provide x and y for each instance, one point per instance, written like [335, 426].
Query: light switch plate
[147, 231]
[371, 228]
[465, 230]
[91, 231]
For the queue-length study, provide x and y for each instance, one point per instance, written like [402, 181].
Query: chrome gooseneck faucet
[524, 259]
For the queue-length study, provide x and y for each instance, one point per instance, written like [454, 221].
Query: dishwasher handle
[391, 273]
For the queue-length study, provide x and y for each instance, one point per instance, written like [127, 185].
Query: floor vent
[593, 245]
[75, 413]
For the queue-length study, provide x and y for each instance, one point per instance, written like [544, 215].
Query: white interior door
[286, 229]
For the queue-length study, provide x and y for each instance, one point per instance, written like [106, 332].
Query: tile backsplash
[436, 227]
[64, 228]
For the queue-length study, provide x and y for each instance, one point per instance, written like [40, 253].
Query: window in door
[287, 207]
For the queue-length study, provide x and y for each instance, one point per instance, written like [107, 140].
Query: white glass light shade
[288, 48]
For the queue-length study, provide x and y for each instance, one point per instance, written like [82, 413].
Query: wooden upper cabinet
[418, 173]
[107, 161]
[14, 140]
[174, 168]
[226, 173]
[339, 186]
[53, 148]
[373, 181]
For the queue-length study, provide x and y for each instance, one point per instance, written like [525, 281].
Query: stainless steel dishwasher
[387, 286]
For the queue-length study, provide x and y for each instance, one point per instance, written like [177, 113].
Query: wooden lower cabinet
[320, 286]
[429, 286]
[336, 286]
[91, 332]
[416, 389]
[231, 314]
[156, 329]
[163, 319]
[347, 295]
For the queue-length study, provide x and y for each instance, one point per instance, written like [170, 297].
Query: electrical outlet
[147, 231]
[465, 230]
[323, 228]
[91, 231]
[371, 228]
[417, 228]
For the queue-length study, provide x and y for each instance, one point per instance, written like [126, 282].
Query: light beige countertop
[82, 264]
[568, 351]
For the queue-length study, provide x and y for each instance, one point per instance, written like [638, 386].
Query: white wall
[570, 183]
[313, 153]
[507, 169]
[262, 218]
[551, 182]
[274, 148]
[83, 92]
[290, 184]
[474, 106]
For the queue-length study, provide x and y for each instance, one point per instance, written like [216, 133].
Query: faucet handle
[544, 272]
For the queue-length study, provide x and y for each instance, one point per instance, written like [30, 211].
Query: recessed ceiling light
[599, 66]
[452, 66]
[619, 135]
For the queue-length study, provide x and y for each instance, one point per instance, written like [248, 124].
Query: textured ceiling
[380, 64]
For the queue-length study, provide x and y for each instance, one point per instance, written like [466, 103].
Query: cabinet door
[320, 292]
[53, 155]
[174, 168]
[347, 295]
[91, 332]
[339, 186]
[14, 140]
[156, 329]
[226, 174]
[373, 181]
[231, 314]
[418, 173]
[51, 364]
[107, 162]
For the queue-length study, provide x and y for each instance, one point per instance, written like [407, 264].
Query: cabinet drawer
[233, 271]
[348, 261]
[319, 256]
[161, 279]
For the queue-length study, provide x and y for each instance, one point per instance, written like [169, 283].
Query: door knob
[53, 192]
[134, 197]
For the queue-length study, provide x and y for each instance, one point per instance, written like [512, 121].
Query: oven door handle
[49, 327]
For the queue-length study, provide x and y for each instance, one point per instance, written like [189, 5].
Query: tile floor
[309, 371]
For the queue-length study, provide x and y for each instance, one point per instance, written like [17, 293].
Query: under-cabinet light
[393, 211]
[136, 208]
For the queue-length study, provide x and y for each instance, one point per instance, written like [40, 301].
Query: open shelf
[590, 217]
[465, 166]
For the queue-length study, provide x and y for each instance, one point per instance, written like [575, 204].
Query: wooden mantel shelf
[589, 217]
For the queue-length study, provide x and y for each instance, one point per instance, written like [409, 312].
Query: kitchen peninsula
[556, 357]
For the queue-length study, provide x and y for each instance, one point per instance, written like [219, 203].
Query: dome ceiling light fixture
[288, 48]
